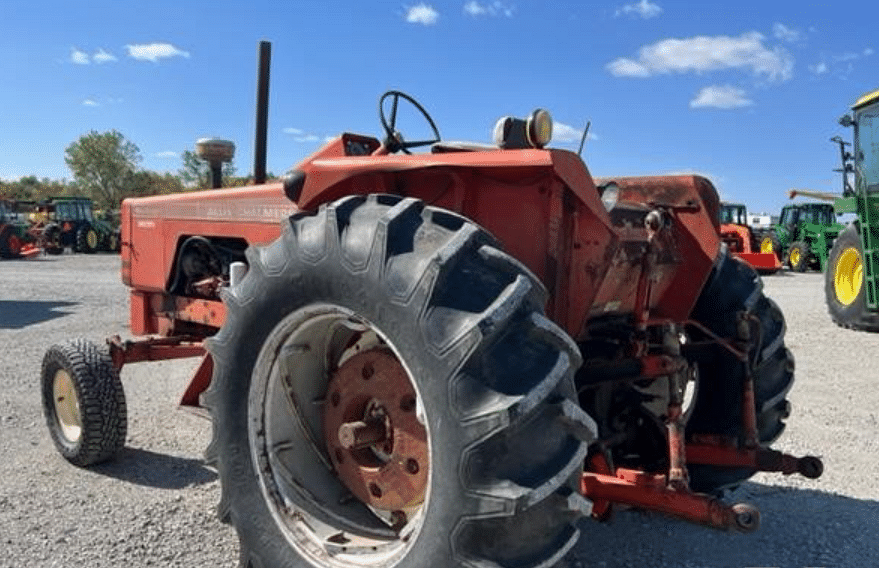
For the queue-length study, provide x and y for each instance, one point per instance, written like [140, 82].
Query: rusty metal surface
[373, 436]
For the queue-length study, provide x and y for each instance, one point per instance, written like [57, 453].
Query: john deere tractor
[70, 222]
[851, 280]
[804, 234]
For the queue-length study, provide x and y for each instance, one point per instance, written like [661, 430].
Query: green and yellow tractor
[804, 234]
[853, 267]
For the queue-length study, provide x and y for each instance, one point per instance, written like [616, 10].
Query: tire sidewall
[331, 282]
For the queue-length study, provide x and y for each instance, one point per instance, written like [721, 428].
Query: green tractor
[804, 234]
[851, 281]
[70, 222]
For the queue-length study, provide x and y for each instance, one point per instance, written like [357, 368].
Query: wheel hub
[67, 406]
[372, 432]
[848, 276]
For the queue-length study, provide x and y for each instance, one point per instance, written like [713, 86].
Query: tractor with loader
[742, 241]
[444, 358]
[70, 222]
[15, 239]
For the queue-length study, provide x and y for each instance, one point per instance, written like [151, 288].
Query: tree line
[105, 167]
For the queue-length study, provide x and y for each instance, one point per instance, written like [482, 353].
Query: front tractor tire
[799, 256]
[83, 402]
[10, 244]
[387, 392]
[844, 288]
[771, 243]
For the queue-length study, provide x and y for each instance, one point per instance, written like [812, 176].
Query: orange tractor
[741, 240]
[445, 358]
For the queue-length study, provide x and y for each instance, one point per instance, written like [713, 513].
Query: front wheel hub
[373, 435]
[848, 276]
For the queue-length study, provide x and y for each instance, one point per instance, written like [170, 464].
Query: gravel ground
[154, 505]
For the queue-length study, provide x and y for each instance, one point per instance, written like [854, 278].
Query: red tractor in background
[742, 241]
[445, 358]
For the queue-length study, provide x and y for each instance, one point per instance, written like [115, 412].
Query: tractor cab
[866, 156]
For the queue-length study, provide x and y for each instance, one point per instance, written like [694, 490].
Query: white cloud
[564, 133]
[102, 56]
[704, 53]
[721, 96]
[784, 33]
[422, 14]
[477, 9]
[645, 9]
[300, 135]
[840, 65]
[154, 51]
[819, 68]
[90, 103]
[79, 57]
[166, 154]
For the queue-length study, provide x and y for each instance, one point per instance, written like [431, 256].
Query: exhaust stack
[262, 112]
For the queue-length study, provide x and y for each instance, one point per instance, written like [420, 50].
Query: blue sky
[747, 93]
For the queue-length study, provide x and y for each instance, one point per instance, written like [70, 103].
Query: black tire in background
[734, 290]
[7, 245]
[493, 377]
[87, 239]
[844, 286]
[83, 402]
[771, 243]
[52, 239]
[799, 256]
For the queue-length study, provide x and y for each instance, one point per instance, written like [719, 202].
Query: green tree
[196, 173]
[146, 182]
[103, 166]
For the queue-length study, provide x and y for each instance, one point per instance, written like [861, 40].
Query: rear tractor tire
[83, 402]
[87, 239]
[387, 392]
[52, 243]
[734, 294]
[844, 287]
[799, 256]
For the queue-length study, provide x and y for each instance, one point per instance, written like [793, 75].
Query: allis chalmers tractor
[445, 358]
[741, 240]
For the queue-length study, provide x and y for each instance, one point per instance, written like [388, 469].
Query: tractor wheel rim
[92, 239]
[67, 406]
[766, 246]
[848, 276]
[794, 257]
[372, 434]
[336, 400]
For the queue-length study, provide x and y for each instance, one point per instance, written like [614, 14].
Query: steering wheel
[394, 140]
